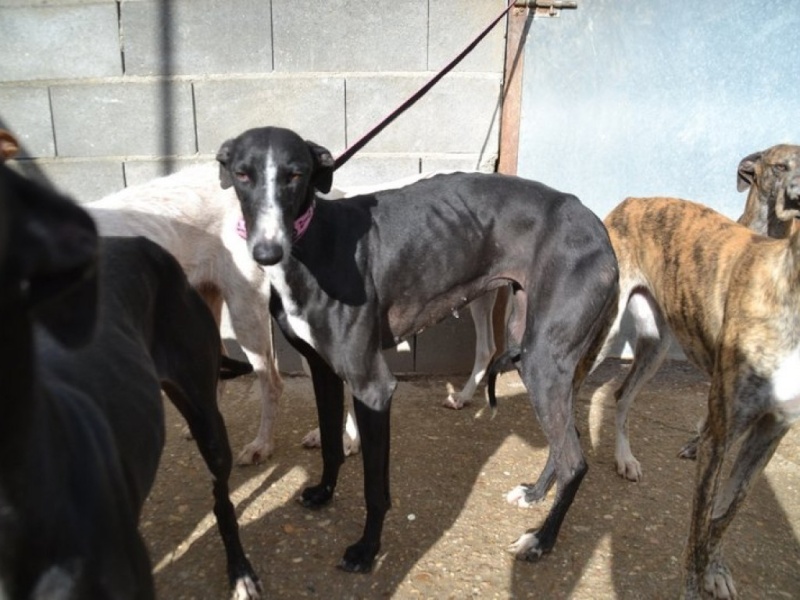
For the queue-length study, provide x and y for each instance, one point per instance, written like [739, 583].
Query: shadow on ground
[447, 532]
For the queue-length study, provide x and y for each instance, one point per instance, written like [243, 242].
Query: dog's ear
[746, 173]
[322, 178]
[51, 257]
[223, 156]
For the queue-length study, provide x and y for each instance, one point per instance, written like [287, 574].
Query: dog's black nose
[267, 254]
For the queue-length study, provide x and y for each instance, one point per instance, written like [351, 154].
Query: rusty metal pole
[518, 23]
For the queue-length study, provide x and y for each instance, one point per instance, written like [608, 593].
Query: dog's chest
[294, 316]
[786, 386]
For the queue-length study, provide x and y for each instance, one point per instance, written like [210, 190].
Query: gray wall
[641, 98]
[103, 93]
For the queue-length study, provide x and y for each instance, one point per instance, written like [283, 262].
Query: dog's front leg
[373, 423]
[713, 444]
[329, 394]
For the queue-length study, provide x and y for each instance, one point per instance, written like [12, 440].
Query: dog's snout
[793, 189]
[267, 254]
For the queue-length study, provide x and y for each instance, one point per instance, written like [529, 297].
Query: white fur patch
[298, 324]
[527, 543]
[269, 218]
[786, 386]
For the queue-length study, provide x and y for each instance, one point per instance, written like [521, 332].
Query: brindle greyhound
[730, 297]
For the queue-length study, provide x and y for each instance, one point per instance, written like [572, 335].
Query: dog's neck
[303, 220]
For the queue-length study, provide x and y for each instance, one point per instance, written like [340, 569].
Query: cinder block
[123, 119]
[401, 358]
[205, 36]
[448, 347]
[312, 106]
[142, 171]
[343, 35]
[289, 360]
[83, 180]
[485, 163]
[25, 112]
[451, 30]
[372, 169]
[59, 42]
[459, 115]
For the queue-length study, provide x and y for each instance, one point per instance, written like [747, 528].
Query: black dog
[353, 276]
[91, 334]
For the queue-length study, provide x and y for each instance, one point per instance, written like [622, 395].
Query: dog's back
[673, 248]
[507, 229]
[187, 213]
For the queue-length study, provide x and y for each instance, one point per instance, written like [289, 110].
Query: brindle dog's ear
[322, 178]
[746, 174]
[223, 156]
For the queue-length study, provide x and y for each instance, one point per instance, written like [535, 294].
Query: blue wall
[625, 98]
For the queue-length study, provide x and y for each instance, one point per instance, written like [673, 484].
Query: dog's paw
[455, 401]
[525, 495]
[246, 588]
[527, 547]
[312, 439]
[629, 468]
[359, 558]
[255, 452]
[689, 450]
[718, 581]
[351, 446]
[316, 496]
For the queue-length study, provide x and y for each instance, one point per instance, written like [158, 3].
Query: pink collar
[301, 223]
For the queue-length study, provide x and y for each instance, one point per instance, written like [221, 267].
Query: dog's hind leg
[652, 344]
[481, 311]
[550, 388]
[186, 351]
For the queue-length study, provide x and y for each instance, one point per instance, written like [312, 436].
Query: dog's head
[275, 173]
[48, 254]
[773, 176]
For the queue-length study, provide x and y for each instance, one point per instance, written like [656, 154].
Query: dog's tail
[505, 362]
[230, 368]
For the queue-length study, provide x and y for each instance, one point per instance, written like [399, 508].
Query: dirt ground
[447, 532]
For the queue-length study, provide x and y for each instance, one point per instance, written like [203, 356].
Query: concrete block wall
[104, 94]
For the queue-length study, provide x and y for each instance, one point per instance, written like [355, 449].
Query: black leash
[349, 152]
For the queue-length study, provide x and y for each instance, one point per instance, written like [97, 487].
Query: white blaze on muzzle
[268, 224]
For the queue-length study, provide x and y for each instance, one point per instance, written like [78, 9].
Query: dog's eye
[295, 177]
[242, 176]
[780, 167]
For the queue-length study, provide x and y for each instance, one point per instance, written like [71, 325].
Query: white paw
[312, 439]
[526, 547]
[246, 589]
[255, 452]
[629, 468]
[455, 402]
[718, 582]
[517, 496]
[351, 446]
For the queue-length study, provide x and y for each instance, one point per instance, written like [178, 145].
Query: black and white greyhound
[92, 331]
[353, 276]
